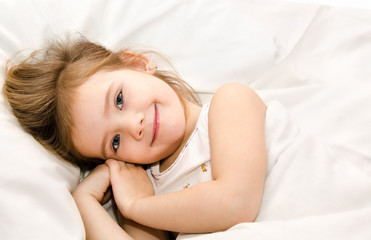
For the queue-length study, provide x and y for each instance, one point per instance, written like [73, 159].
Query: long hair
[41, 87]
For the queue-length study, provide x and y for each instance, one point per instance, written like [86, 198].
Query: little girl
[119, 112]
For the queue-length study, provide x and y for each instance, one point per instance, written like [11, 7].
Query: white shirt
[192, 166]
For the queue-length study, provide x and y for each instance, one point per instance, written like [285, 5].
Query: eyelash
[119, 101]
[116, 142]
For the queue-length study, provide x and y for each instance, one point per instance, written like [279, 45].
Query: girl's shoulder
[233, 96]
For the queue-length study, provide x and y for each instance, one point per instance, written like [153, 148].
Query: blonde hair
[40, 88]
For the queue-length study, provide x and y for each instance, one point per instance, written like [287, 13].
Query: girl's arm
[138, 231]
[238, 160]
[98, 223]
[88, 196]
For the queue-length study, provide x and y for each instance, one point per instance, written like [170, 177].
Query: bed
[312, 56]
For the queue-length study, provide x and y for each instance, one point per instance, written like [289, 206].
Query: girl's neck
[192, 113]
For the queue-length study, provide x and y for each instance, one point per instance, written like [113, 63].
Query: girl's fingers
[100, 170]
[113, 165]
[130, 165]
[107, 196]
[95, 184]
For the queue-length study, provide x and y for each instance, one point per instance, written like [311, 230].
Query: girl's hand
[89, 195]
[129, 184]
[95, 185]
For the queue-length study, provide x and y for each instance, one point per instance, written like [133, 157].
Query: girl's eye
[119, 100]
[116, 142]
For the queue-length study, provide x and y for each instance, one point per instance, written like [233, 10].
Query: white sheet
[313, 59]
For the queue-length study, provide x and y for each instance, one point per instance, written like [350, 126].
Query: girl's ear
[141, 62]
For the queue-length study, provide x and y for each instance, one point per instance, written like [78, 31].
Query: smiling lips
[155, 125]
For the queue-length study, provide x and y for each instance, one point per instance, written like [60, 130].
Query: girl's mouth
[156, 124]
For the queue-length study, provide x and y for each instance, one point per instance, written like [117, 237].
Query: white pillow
[211, 42]
[35, 187]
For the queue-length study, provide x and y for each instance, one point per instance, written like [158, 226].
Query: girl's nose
[135, 125]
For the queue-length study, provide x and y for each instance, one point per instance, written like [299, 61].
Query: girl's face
[127, 115]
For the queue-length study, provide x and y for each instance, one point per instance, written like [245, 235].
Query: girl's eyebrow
[108, 97]
[103, 147]
[105, 113]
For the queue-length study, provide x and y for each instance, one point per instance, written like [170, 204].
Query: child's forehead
[91, 91]
[100, 78]
[106, 74]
